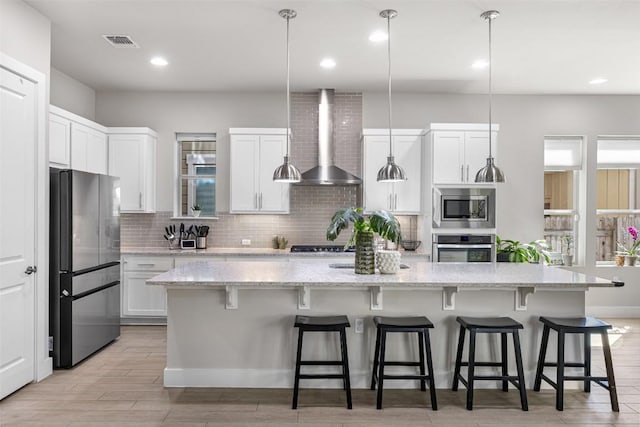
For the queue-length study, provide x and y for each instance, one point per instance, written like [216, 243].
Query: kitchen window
[196, 181]
[562, 172]
[617, 193]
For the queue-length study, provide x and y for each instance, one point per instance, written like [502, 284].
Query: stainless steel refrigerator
[84, 284]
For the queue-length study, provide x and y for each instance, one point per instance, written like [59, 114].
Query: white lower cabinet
[138, 298]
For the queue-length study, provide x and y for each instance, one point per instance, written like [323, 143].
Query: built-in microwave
[464, 208]
[464, 248]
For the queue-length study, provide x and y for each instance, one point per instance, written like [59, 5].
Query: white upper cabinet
[132, 158]
[76, 143]
[459, 151]
[255, 153]
[401, 197]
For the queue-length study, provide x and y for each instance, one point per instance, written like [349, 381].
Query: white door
[273, 196]
[17, 224]
[408, 153]
[244, 170]
[377, 195]
[448, 157]
[476, 151]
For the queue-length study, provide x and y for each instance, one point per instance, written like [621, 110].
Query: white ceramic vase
[388, 262]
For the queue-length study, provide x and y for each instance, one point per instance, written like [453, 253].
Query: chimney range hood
[326, 173]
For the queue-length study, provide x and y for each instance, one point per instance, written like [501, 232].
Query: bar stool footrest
[321, 363]
[321, 376]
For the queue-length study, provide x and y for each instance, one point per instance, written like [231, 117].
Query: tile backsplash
[311, 207]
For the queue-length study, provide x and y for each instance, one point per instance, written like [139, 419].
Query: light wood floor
[122, 386]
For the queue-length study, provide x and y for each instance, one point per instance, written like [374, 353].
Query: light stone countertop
[247, 252]
[418, 275]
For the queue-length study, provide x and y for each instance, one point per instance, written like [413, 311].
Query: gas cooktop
[320, 248]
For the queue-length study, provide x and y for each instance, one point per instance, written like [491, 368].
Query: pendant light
[390, 172]
[490, 173]
[287, 172]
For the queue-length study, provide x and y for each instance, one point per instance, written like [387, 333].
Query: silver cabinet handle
[140, 200]
[151, 264]
[30, 270]
[462, 173]
[467, 173]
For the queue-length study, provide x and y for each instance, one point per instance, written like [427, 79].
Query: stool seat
[403, 322]
[488, 322]
[579, 323]
[323, 322]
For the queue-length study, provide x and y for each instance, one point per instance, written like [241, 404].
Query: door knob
[30, 270]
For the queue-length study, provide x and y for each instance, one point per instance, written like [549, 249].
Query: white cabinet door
[476, 152]
[244, 169]
[79, 147]
[254, 157]
[407, 195]
[126, 162]
[97, 152]
[377, 195]
[140, 299]
[273, 196]
[59, 141]
[132, 157]
[448, 157]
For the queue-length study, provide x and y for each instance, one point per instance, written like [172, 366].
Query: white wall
[71, 95]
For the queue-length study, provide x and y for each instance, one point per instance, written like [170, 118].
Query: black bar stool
[489, 325]
[322, 324]
[421, 325]
[577, 325]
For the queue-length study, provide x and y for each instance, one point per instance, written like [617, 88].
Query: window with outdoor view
[617, 199]
[196, 174]
[562, 169]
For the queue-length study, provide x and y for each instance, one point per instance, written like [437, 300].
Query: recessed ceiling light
[598, 81]
[480, 64]
[159, 61]
[327, 63]
[378, 36]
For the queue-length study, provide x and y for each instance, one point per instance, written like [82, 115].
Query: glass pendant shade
[490, 173]
[286, 172]
[391, 172]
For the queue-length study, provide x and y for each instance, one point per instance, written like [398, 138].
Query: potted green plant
[514, 251]
[381, 222]
[196, 210]
[631, 254]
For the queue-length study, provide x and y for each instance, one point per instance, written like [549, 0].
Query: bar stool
[322, 324]
[489, 325]
[577, 325]
[421, 326]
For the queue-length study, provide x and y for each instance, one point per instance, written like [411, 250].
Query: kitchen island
[231, 324]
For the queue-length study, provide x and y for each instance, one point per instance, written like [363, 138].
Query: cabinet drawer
[148, 264]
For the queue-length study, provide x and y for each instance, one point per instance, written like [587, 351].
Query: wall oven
[464, 248]
[464, 208]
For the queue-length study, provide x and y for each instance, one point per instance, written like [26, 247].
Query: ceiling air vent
[120, 41]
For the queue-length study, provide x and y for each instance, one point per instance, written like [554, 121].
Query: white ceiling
[540, 46]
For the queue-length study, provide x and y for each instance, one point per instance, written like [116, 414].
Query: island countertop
[419, 274]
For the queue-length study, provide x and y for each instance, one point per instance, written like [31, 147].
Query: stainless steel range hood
[326, 173]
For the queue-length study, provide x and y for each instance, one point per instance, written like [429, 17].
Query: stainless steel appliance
[464, 248]
[84, 280]
[464, 208]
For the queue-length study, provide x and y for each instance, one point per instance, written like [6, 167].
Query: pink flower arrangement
[636, 243]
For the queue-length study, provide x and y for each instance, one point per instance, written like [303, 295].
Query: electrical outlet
[359, 326]
[246, 242]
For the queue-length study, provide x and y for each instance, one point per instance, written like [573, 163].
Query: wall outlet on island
[359, 329]
[245, 242]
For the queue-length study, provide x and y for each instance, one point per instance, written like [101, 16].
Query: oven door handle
[446, 246]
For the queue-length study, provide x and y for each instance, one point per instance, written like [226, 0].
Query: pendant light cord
[490, 87]
[288, 93]
[389, 56]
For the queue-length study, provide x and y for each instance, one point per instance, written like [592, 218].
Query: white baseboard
[44, 369]
[629, 311]
[283, 378]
